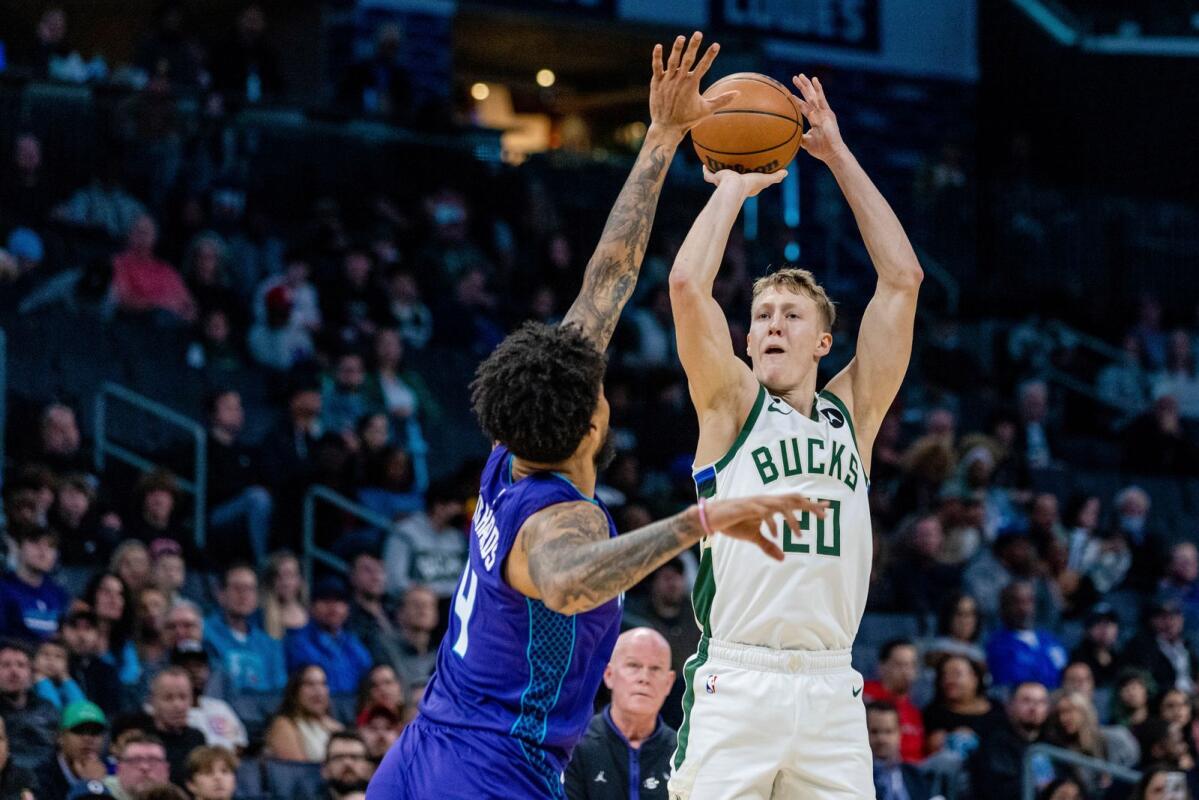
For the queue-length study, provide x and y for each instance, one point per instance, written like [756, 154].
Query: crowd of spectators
[132, 658]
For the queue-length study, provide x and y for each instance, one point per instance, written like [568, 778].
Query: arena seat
[291, 780]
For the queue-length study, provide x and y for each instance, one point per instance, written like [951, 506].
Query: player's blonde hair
[799, 281]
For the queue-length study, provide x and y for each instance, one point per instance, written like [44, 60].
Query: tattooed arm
[564, 556]
[675, 107]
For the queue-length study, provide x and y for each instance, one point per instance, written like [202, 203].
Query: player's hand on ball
[742, 517]
[675, 102]
[750, 183]
[822, 140]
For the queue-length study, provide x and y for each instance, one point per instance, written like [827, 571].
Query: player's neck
[799, 395]
[579, 470]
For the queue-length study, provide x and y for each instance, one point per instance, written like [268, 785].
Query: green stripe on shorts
[694, 663]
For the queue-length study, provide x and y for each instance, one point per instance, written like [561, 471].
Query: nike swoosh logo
[857, 691]
[778, 410]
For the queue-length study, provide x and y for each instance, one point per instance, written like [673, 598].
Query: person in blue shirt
[324, 641]
[1017, 652]
[31, 603]
[250, 658]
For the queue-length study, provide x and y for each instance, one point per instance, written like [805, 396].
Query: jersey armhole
[853, 434]
[706, 476]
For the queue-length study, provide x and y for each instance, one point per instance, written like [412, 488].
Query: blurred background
[254, 252]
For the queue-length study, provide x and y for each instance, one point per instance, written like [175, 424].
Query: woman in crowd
[1130, 702]
[301, 728]
[381, 687]
[285, 601]
[959, 628]
[960, 711]
[1074, 725]
[108, 595]
[131, 563]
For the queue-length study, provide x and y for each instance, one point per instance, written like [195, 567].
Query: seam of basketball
[754, 111]
[695, 142]
[778, 87]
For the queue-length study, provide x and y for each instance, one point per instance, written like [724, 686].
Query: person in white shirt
[215, 718]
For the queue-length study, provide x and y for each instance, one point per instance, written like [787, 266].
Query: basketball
[759, 132]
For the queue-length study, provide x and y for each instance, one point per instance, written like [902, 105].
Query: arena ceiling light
[546, 78]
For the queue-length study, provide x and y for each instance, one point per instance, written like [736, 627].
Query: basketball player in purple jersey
[537, 609]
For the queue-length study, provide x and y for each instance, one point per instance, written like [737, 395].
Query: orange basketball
[759, 132]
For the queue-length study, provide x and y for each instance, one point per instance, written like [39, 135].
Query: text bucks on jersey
[815, 598]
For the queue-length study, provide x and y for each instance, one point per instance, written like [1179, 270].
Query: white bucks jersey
[815, 597]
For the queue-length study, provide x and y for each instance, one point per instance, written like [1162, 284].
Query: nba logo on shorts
[711, 685]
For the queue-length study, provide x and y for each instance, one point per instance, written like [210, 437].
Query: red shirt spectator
[142, 282]
[897, 672]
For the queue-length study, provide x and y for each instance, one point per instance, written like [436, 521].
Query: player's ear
[825, 345]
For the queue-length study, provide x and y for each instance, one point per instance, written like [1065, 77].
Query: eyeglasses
[144, 761]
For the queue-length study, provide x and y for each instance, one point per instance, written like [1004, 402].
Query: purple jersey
[508, 664]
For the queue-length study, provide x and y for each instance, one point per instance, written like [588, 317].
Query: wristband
[703, 517]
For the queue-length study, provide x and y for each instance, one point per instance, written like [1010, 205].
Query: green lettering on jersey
[813, 467]
[789, 543]
[832, 516]
[767, 471]
[851, 480]
[834, 465]
[795, 466]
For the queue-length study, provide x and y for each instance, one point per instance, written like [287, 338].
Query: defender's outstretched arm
[869, 383]
[675, 107]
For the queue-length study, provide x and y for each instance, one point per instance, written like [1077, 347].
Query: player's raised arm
[568, 561]
[719, 381]
[872, 379]
[675, 106]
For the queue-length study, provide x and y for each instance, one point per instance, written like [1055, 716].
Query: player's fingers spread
[692, 50]
[704, 63]
[722, 100]
[769, 548]
[656, 61]
[676, 53]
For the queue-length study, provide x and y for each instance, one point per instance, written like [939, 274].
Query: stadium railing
[310, 551]
[1028, 789]
[197, 485]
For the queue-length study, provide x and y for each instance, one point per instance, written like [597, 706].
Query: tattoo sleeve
[576, 566]
[612, 271]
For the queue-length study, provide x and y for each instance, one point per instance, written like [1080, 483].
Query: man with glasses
[347, 768]
[141, 763]
[249, 656]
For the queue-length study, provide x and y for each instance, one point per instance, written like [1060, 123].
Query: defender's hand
[822, 140]
[749, 183]
[742, 517]
[675, 103]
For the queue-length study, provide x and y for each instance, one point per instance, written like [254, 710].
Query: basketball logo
[711, 684]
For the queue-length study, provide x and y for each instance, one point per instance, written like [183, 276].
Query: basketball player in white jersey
[773, 708]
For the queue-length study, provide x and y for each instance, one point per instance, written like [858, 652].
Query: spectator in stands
[997, 767]
[1077, 677]
[325, 641]
[428, 547]
[86, 537]
[301, 729]
[353, 307]
[1181, 581]
[31, 722]
[1048, 535]
[1073, 725]
[1034, 439]
[418, 617]
[1162, 742]
[278, 342]
[1018, 652]
[103, 205]
[344, 396]
[379, 85]
[131, 563]
[960, 713]
[141, 282]
[215, 352]
[51, 677]
[1179, 379]
[169, 707]
[25, 193]
[60, 445]
[408, 310]
[15, 781]
[1163, 651]
[31, 602]
[155, 498]
[168, 570]
[183, 624]
[627, 743]
[141, 764]
[1099, 557]
[395, 482]
[919, 578]
[210, 715]
[1012, 557]
[666, 608]
[240, 504]
[1133, 506]
[371, 620]
[245, 67]
[1161, 782]
[893, 779]
[402, 392]
[347, 766]
[285, 607]
[212, 773]
[289, 449]
[381, 688]
[1130, 701]
[380, 727]
[959, 628]
[96, 678]
[898, 666]
[207, 279]
[251, 659]
[109, 596]
[1156, 443]
[927, 464]
[1124, 385]
[305, 310]
[1098, 648]
[79, 757]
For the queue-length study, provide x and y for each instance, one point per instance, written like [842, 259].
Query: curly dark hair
[536, 392]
